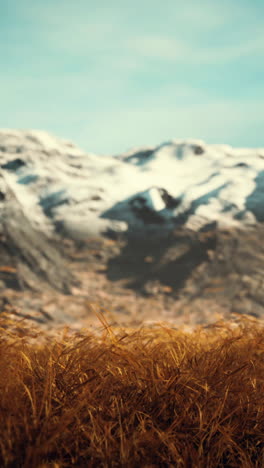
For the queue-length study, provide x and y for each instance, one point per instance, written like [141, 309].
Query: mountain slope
[151, 188]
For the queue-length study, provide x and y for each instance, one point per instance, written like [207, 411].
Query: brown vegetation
[132, 398]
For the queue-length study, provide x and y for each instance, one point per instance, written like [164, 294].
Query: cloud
[170, 49]
[118, 37]
[218, 121]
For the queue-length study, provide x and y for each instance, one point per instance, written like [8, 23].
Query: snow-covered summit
[158, 187]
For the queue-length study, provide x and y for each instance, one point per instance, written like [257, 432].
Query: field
[142, 397]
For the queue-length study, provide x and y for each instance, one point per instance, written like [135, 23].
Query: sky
[114, 74]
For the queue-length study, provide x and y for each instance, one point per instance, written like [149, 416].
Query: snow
[179, 181]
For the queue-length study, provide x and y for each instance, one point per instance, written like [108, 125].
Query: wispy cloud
[124, 39]
[170, 49]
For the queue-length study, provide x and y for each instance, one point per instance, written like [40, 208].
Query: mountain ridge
[146, 189]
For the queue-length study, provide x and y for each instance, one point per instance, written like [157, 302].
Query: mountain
[178, 183]
[205, 200]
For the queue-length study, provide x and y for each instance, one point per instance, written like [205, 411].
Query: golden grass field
[157, 397]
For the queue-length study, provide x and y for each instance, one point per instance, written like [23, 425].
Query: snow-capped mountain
[178, 182]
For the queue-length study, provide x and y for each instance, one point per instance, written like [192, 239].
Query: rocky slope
[29, 258]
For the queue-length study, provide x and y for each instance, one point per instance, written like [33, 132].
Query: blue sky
[112, 74]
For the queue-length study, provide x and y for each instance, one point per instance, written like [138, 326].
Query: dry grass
[151, 397]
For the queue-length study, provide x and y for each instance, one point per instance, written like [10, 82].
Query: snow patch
[177, 182]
